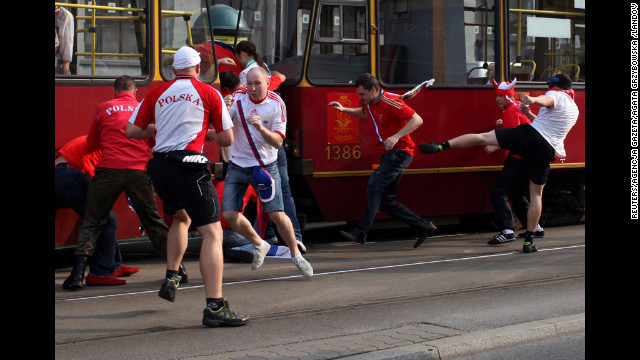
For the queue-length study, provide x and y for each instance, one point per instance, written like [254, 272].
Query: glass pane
[105, 43]
[546, 39]
[185, 23]
[447, 40]
[337, 64]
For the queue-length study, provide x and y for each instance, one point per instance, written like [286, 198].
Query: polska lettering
[117, 108]
[195, 159]
[176, 98]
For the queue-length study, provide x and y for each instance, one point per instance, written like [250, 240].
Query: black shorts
[184, 186]
[536, 152]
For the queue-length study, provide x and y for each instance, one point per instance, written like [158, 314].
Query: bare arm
[357, 112]
[542, 100]
[412, 124]
[135, 132]
[225, 138]
[527, 112]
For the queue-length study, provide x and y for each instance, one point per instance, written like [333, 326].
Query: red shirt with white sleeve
[390, 114]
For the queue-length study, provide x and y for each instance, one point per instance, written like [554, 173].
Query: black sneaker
[537, 234]
[430, 148]
[354, 235]
[424, 234]
[224, 316]
[168, 288]
[502, 238]
[529, 247]
[182, 272]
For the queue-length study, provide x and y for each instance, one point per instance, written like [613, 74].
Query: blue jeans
[287, 198]
[235, 187]
[382, 190]
[71, 192]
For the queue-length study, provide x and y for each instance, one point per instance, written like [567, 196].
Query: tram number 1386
[345, 152]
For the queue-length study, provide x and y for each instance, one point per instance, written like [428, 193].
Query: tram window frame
[166, 70]
[108, 74]
[564, 55]
[473, 49]
[350, 47]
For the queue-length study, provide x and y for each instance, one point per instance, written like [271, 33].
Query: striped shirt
[273, 113]
[183, 110]
[389, 115]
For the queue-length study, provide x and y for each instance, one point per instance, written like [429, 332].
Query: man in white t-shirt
[538, 142]
[259, 127]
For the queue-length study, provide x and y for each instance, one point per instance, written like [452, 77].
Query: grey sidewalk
[422, 341]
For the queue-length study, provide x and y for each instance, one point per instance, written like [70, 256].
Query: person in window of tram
[538, 142]
[75, 164]
[64, 33]
[248, 58]
[394, 122]
[261, 114]
[511, 182]
[122, 168]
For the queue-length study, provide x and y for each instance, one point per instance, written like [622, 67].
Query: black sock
[172, 274]
[446, 145]
[214, 304]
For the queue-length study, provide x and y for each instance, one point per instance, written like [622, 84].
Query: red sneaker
[125, 271]
[104, 280]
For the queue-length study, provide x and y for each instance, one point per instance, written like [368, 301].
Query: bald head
[257, 83]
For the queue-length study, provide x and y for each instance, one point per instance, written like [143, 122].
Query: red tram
[321, 47]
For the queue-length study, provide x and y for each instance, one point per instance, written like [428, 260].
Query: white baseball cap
[185, 57]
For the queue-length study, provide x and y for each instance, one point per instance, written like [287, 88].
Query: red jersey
[80, 156]
[389, 115]
[107, 133]
[512, 116]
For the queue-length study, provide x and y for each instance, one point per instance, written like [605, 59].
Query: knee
[230, 216]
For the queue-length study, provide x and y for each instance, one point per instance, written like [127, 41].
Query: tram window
[546, 38]
[102, 42]
[340, 50]
[185, 23]
[451, 41]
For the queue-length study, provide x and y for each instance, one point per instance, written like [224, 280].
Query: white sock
[507, 231]
[539, 228]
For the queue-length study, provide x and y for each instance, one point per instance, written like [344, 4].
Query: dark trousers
[104, 189]
[511, 184]
[382, 190]
[287, 198]
[71, 187]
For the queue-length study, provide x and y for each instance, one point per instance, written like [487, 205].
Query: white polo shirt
[273, 113]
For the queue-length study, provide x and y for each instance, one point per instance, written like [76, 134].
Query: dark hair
[229, 80]
[248, 47]
[560, 80]
[124, 83]
[368, 81]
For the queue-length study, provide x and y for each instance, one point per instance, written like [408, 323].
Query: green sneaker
[529, 247]
[224, 316]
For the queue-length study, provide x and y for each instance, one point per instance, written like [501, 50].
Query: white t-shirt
[554, 123]
[273, 113]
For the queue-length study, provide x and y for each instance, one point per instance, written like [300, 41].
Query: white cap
[185, 57]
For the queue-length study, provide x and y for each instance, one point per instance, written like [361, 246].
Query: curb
[455, 346]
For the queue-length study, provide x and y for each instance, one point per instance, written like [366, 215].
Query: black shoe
[529, 247]
[502, 238]
[424, 234]
[182, 272]
[224, 316]
[537, 234]
[75, 279]
[353, 235]
[430, 148]
[168, 288]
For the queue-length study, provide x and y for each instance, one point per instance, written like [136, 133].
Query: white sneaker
[304, 266]
[301, 247]
[259, 254]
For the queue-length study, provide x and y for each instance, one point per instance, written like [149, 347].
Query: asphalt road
[454, 284]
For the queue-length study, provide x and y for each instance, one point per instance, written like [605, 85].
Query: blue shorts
[235, 187]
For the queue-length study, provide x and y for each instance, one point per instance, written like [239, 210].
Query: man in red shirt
[393, 121]
[122, 168]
